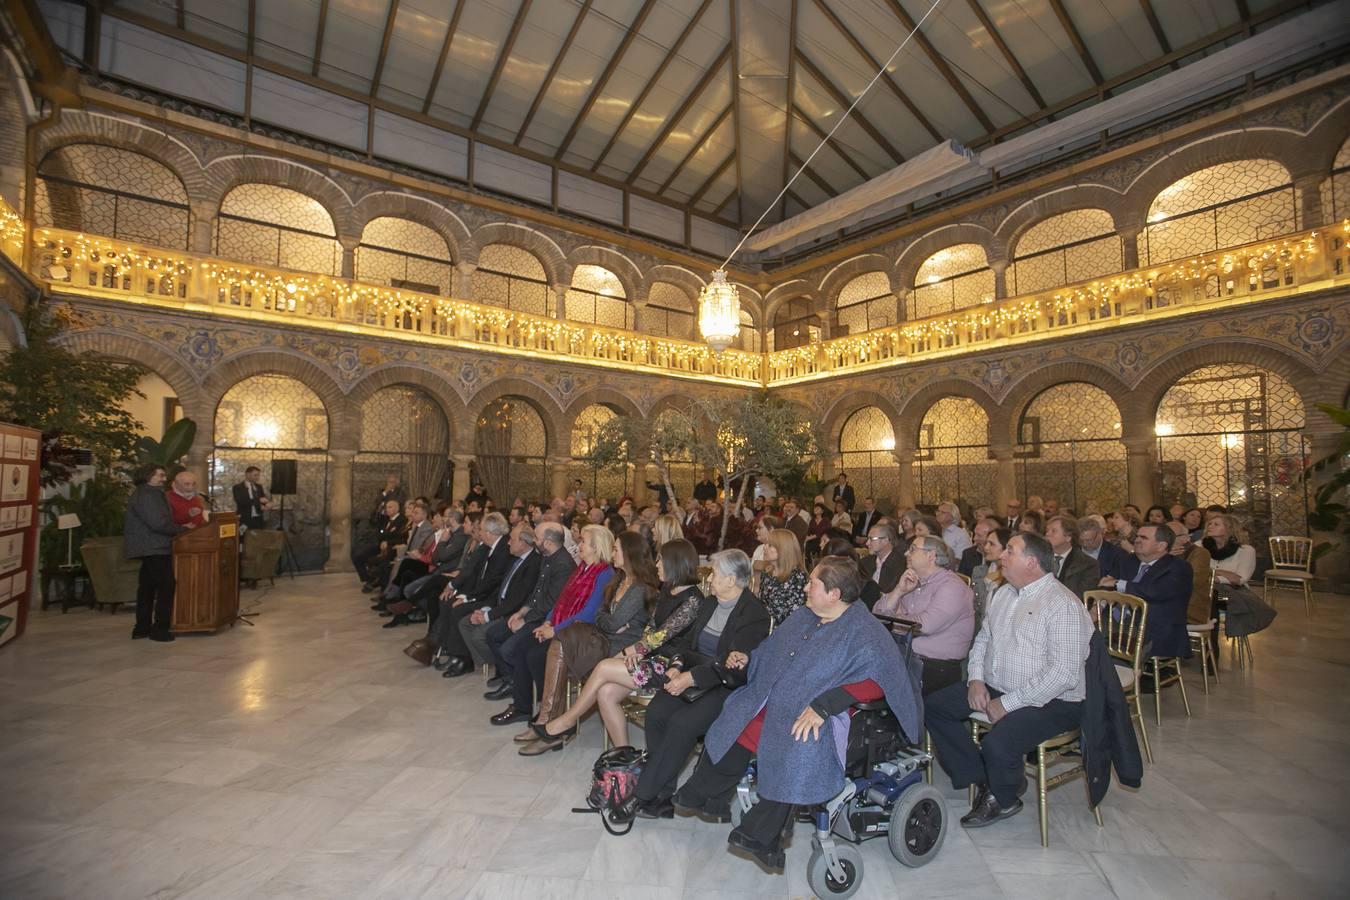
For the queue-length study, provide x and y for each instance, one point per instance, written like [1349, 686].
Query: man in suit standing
[250, 500]
[863, 521]
[883, 566]
[842, 490]
[1164, 582]
[555, 567]
[1075, 569]
[467, 648]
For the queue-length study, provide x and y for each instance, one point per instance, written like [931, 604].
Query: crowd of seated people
[762, 657]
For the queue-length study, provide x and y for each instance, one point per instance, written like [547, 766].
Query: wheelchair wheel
[822, 883]
[918, 825]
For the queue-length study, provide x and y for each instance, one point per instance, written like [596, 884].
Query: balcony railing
[1306, 261]
[89, 265]
[11, 233]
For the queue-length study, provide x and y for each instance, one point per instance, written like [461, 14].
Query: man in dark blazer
[864, 520]
[885, 563]
[1163, 581]
[1093, 542]
[515, 589]
[478, 584]
[250, 500]
[1075, 569]
[555, 568]
[842, 490]
[973, 555]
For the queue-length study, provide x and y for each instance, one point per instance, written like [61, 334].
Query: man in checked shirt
[1025, 673]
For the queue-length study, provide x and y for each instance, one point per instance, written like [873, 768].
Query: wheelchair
[885, 795]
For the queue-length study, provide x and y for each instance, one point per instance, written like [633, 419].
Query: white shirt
[956, 539]
[1032, 645]
[1242, 563]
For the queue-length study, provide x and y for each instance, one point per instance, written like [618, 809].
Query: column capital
[343, 455]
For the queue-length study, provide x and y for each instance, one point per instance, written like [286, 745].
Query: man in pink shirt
[942, 603]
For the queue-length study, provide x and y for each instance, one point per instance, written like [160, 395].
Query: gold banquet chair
[1291, 561]
[1199, 633]
[1121, 619]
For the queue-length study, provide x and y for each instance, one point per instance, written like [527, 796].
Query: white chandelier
[719, 312]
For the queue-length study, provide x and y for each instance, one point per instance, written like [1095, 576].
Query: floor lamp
[68, 523]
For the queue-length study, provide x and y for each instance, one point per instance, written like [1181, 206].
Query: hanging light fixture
[719, 303]
[719, 312]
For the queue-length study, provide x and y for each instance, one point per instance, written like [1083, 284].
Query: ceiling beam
[603, 81]
[651, 82]
[674, 119]
[814, 176]
[502, 56]
[712, 179]
[844, 102]
[553, 70]
[1244, 15]
[731, 195]
[795, 198]
[992, 30]
[1077, 40]
[698, 145]
[733, 28]
[941, 65]
[1155, 25]
[384, 48]
[790, 98]
[450, 30]
[800, 115]
[180, 15]
[875, 63]
[318, 36]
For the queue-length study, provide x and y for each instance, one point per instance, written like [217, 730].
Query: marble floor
[307, 757]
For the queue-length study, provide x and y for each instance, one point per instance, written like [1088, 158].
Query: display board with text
[19, 463]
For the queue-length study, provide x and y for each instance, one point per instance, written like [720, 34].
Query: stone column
[348, 255]
[462, 289]
[339, 511]
[1000, 268]
[1309, 190]
[203, 226]
[560, 301]
[558, 472]
[1141, 468]
[1333, 568]
[1005, 477]
[459, 482]
[1129, 244]
[198, 462]
[904, 460]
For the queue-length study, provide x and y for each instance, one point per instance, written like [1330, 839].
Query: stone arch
[549, 254]
[1141, 404]
[122, 345]
[617, 400]
[430, 381]
[1003, 424]
[679, 276]
[86, 127]
[782, 293]
[1046, 206]
[344, 417]
[426, 212]
[230, 172]
[915, 406]
[624, 269]
[557, 429]
[835, 279]
[832, 423]
[907, 265]
[1283, 147]
[1325, 139]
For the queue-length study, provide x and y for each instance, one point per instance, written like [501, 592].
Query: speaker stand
[289, 564]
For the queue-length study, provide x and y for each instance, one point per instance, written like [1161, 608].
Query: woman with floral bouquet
[640, 667]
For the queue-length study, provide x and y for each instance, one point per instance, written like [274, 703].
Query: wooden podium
[206, 568]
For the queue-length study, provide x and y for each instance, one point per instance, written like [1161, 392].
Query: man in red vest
[188, 507]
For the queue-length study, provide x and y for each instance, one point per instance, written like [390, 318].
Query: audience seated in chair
[465, 648]
[1075, 569]
[931, 594]
[1164, 582]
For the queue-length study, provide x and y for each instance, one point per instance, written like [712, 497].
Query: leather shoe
[417, 617]
[496, 681]
[396, 621]
[769, 857]
[137, 634]
[419, 651]
[367, 588]
[527, 736]
[986, 811]
[457, 666]
[499, 693]
[714, 816]
[539, 748]
[379, 607]
[657, 809]
[162, 637]
[509, 716]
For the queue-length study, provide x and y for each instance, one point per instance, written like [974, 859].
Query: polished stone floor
[307, 757]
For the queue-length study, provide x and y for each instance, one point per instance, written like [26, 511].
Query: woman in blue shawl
[793, 711]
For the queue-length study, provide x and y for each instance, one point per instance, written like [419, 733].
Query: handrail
[90, 265]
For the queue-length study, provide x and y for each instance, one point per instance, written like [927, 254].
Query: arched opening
[404, 254]
[264, 419]
[864, 304]
[1226, 205]
[953, 278]
[669, 312]
[597, 297]
[749, 339]
[1078, 245]
[513, 278]
[276, 226]
[614, 482]
[952, 460]
[511, 446]
[867, 454]
[795, 324]
[403, 433]
[1336, 189]
[1068, 448]
[1232, 434]
[112, 192]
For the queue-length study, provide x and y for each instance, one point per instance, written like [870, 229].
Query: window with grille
[597, 297]
[1222, 206]
[404, 433]
[1069, 448]
[1074, 246]
[795, 324]
[612, 482]
[952, 460]
[1335, 190]
[112, 192]
[953, 278]
[511, 444]
[513, 278]
[669, 313]
[865, 303]
[404, 254]
[867, 454]
[276, 226]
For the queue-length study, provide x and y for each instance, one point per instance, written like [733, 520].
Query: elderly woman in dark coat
[793, 711]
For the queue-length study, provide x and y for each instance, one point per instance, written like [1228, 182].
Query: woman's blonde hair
[601, 541]
[1235, 531]
[789, 554]
[667, 528]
